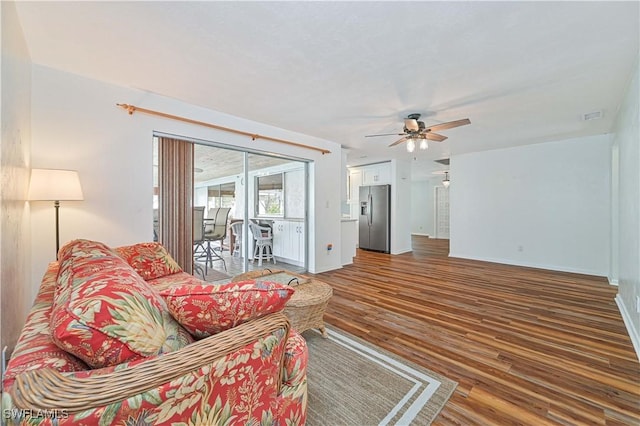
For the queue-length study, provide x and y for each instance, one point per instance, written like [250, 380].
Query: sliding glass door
[278, 202]
[265, 201]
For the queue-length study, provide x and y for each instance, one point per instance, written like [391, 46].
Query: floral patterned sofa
[123, 336]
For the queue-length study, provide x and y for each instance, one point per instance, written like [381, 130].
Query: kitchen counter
[348, 240]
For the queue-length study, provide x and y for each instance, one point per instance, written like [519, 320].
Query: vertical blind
[175, 181]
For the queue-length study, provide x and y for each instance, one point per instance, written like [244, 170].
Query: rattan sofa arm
[48, 389]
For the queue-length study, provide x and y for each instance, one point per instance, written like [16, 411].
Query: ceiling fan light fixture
[446, 182]
[416, 132]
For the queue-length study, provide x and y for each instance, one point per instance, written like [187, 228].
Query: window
[223, 195]
[270, 195]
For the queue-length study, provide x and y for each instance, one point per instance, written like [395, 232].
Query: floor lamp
[56, 186]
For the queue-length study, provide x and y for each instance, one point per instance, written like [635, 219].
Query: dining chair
[236, 230]
[199, 249]
[263, 243]
[216, 230]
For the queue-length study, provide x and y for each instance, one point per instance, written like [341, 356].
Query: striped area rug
[352, 382]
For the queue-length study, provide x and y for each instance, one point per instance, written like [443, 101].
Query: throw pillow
[76, 254]
[82, 249]
[150, 260]
[207, 309]
[106, 314]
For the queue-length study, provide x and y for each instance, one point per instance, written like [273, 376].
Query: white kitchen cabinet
[355, 181]
[280, 238]
[298, 243]
[288, 241]
[376, 174]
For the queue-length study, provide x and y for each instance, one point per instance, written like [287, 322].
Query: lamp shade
[54, 185]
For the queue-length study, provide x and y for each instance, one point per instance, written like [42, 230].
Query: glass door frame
[245, 173]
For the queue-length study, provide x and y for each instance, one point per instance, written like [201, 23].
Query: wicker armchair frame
[48, 389]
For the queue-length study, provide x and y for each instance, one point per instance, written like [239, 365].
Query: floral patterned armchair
[125, 337]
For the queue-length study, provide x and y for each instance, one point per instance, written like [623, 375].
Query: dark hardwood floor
[526, 346]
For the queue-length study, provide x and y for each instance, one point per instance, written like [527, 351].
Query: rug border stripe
[430, 387]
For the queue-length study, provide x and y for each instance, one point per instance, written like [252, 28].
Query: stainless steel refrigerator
[374, 219]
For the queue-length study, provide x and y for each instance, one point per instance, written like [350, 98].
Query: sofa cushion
[296, 358]
[150, 260]
[82, 249]
[35, 349]
[105, 313]
[181, 278]
[206, 309]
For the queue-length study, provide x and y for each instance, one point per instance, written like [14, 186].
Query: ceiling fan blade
[449, 125]
[384, 134]
[434, 137]
[399, 141]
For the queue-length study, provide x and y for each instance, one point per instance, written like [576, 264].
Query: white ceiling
[523, 72]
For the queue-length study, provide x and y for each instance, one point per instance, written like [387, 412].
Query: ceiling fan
[415, 130]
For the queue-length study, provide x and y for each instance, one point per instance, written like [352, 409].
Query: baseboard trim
[325, 269]
[531, 265]
[401, 251]
[613, 281]
[626, 317]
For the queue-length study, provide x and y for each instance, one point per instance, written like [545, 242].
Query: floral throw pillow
[82, 249]
[106, 314]
[207, 309]
[150, 260]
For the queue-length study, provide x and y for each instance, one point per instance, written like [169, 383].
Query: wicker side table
[306, 307]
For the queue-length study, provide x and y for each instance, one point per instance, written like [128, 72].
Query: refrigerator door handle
[370, 218]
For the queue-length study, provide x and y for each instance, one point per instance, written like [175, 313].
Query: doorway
[441, 212]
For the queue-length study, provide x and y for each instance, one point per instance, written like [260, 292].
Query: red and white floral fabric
[181, 278]
[150, 260]
[206, 309]
[35, 348]
[105, 313]
[262, 383]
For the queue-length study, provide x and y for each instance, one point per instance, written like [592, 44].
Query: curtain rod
[131, 109]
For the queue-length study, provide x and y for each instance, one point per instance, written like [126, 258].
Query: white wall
[77, 125]
[627, 221]
[400, 206]
[16, 296]
[422, 207]
[545, 205]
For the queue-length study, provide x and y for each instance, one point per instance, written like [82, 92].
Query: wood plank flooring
[527, 346]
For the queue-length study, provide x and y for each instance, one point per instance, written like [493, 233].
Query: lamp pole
[56, 205]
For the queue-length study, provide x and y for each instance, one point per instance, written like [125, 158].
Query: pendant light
[446, 182]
